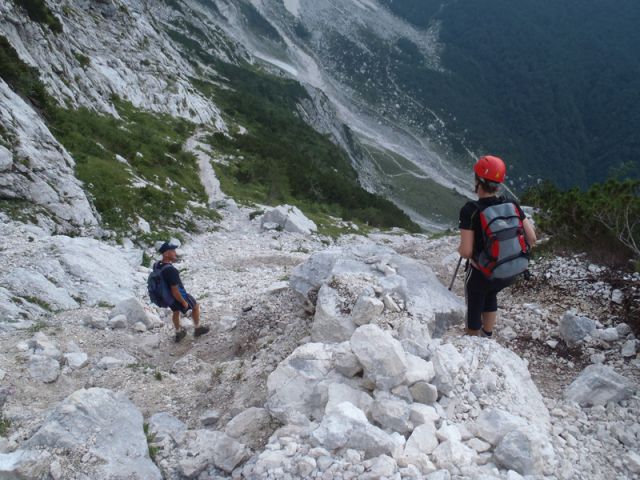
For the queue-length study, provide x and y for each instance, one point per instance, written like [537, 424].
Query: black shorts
[177, 307]
[482, 296]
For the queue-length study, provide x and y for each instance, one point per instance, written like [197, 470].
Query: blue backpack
[159, 292]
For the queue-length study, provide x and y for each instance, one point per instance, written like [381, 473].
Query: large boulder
[251, 427]
[598, 385]
[525, 451]
[297, 388]
[381, 355]
[493, 424]
[104, 424]
[346, 426]
[424, 297]
[290, 219]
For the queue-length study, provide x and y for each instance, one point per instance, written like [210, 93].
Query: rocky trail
[327, 359]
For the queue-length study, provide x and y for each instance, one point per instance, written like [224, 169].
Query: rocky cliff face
[106, 50]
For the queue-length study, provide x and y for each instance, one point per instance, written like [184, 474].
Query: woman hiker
[495, 237]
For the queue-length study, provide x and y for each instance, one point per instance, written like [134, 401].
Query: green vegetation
[553, 87]
[603, 221]
[41, 303]
[22, 78]
[37, 327]
[284, 159]
[153, 449]
[83, 60]
[38, 11]
[134, 166]
[5, 424]
[158, 375]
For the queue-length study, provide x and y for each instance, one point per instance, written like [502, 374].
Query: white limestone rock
[46, 176]
[92, 270]
[290, 219]
[44, 369]
[346, 361]
[598, 385]
[295, 389]
[449, 432]
[574, 328]
[163, 426]
[201, 449]
[392, 414]
[6, 159]
[419, 370]
[423, 440]
[210, 417]
[609, 334]
[493, 424]
[450, 453]
[107, 363]
[415, 337]
[629, 348]
[25, 464]
[425, 298]
[33, 284]
[40, 344]
[526, 451]
[104, 424]
[424, 392]
[447, 363]
[381, 355]
[329, 323]
[342, 392]
[366, 309]
[382, 466]
[76, 360]
[419, 414]
[250, 427]
[134, 312]
[118, 322]
[96, 321]
[347, 427]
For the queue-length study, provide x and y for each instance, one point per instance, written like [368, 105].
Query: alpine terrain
[307, 159]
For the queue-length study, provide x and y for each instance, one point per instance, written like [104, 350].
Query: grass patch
[22, 79]
[153, 449]
[5, 424]
[158, 375]
[37, 301]
[135, 167]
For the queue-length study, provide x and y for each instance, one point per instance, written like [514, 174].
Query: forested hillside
[552, 86]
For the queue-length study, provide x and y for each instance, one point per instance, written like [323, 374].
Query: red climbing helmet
[490, 168]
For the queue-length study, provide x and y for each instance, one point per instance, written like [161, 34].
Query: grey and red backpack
[505, 253]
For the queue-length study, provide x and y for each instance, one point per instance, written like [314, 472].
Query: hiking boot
[180, 334]
[200, 331]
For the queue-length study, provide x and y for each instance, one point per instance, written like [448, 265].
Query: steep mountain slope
[119, 85]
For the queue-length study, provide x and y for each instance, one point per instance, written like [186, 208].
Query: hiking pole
[455, 274]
